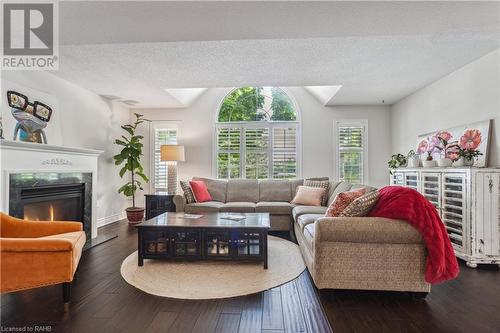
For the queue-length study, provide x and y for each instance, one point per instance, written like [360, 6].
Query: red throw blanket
[403, 203]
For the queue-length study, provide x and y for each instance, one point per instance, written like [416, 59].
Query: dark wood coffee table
[210, 237]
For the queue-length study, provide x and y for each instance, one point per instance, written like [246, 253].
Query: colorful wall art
[29, 115]
[448, 142]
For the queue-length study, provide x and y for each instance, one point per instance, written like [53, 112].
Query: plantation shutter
[256, 153]
[162, 136]
[284, 152]
[351, 141]
[228, 153]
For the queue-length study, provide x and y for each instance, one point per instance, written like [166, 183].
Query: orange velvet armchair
[36, 254]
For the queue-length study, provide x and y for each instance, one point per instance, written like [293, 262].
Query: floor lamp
[172, 154]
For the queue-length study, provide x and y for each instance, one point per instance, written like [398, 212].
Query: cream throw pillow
[309, 196]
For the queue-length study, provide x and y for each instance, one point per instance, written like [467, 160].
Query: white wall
[470, 94]
[196, 133]
[86, 121]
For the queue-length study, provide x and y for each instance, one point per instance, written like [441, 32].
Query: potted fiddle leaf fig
[130, 158]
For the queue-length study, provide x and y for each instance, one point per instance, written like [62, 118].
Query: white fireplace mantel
[20, 157]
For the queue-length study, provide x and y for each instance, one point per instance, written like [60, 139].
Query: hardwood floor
[103, 302]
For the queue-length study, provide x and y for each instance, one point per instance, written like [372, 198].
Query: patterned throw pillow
[342, 200]
[319, 183]
[188, 193]
[362, 205]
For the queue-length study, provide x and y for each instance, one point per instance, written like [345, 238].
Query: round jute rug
[215, 279]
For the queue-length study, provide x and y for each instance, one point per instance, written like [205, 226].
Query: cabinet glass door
[156, 243]
[397, 178]
[217, 243]
[411, 180]
[186, 243]
[247, 244]
[453, 207]
[431, 188]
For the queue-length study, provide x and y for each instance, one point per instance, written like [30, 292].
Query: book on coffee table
[233, 217]
[192, 216]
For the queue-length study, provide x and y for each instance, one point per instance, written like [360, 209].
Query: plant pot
[429, 164]
[444, 162]
[413, 162]
[135, 214]
[459, 163]
[468, 161]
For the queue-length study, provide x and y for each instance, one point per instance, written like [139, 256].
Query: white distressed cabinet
[468, 202]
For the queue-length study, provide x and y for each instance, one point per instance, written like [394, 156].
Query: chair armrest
[179, 201]
[34, 245]
[366, 230]
[27, 229]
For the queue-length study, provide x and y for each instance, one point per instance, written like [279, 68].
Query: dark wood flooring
[103, 302]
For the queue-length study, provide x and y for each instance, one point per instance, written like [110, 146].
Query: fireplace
[52, 197]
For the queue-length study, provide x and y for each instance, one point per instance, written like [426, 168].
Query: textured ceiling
[375, 50]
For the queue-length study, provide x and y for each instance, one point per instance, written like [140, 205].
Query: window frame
[155, 124]
[351, 122]
[257, 124]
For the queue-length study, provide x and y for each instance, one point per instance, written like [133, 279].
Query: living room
[250, 166]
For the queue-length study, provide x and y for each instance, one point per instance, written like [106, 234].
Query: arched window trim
[271, 124]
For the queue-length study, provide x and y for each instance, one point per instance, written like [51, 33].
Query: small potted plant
[469, 155]
[130, 156]
[413, 159]
[444, 137]
[397, 161]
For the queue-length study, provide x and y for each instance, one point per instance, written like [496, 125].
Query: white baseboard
[102, 221]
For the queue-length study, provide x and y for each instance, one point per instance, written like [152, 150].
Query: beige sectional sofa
[340, 253]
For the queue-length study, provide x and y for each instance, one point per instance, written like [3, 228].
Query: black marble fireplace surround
[69, 196]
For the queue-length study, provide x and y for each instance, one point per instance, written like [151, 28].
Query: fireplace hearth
[52, 197]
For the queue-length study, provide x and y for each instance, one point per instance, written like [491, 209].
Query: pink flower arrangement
[470, 140]
[422, 147]
[444, 135]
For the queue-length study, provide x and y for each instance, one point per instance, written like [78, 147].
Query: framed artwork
[448, 142]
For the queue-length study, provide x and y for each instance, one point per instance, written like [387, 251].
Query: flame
[51, 212]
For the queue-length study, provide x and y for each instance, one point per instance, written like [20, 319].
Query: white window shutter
[162, 136]
[351, 139]
[284, 152]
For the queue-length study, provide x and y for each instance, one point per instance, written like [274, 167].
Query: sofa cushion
[342, 200]
[203, 207]
[277, 207]
[188, 192]
[238, 207]
[362, 205]
[275, 190]
[242, 190]
[300, 210]
[310, 196]
[321, 184]
[368, 188]
[341, 187]
[216, 187]
[200, 191]
[309, 235]
[306, 219]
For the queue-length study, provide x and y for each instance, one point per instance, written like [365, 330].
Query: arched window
[257, 134]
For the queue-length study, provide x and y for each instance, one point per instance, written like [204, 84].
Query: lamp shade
[172, 153]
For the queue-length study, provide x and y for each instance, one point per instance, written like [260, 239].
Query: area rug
[215, 279]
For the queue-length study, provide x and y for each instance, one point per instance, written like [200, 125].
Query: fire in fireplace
[53, 203]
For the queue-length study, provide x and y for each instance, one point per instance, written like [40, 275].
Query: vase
[413, 162]
[458, 163]
[444, 162]
[468, 161]
[429, 164]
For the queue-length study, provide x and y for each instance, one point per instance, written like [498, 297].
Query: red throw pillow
[200, 191]
[342, 200]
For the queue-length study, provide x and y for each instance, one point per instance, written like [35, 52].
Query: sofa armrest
[365, 230]
[34, 245]
[180, 202]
